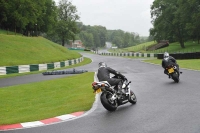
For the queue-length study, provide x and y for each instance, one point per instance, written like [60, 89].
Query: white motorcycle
[110, 99]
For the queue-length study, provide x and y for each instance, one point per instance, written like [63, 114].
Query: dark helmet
[166, 55]
[102, 64]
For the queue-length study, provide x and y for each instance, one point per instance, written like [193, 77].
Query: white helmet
[166, 55]
[102, 64]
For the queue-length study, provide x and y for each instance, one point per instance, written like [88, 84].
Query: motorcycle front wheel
[110, 105]
[175, 77]
[132, 98]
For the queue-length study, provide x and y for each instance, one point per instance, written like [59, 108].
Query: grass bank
[41, 100]
[190, 46]
[138, 48]
[21, 50]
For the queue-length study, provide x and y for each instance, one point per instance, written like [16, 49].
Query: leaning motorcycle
[173, 72]
[110, 99]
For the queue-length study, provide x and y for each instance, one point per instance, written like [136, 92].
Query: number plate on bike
[171, 70]
[98, 90]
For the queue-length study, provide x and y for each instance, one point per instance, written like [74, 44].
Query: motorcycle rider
[104, 75]
[167, 59]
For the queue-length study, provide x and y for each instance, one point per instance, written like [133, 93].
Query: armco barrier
[37, 67]
[195, 55]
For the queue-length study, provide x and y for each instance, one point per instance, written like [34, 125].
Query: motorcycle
[173, 72]
[110, 99]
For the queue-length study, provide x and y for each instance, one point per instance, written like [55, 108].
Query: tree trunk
[180, 38]
[63, 42]
[181, 42]
[15, 27]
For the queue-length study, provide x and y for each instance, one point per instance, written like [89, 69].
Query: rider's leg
[119, 87]
[166, 72]
[115, 82]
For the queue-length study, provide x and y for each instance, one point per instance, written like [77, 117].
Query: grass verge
[41, 100]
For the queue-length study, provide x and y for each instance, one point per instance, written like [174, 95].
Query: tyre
[133, 98]
[175, 77]
[107, 103]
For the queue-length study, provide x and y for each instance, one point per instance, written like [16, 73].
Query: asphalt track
[163, 106]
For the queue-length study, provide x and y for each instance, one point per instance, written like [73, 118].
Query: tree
[66, 27]
[100, 35]
[3, 11]
[87, 39]
[126, 40]
[191, 17]
[48, 17]
[27, 15]
[168, 21]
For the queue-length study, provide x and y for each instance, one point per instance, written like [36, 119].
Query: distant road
[103, 51]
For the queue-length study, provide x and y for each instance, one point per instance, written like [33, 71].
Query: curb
[41, 122]
[38, 67]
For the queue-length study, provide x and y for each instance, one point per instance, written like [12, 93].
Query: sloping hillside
[140, 47]
[21, 50]
[161, 44]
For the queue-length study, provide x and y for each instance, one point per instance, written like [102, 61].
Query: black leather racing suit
[104, 75]
[171, 60]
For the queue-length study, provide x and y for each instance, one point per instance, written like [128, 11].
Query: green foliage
[191, 46]
[124, 39]
[175, 20]
[47, 99]
[26, 16]
[87, 39]
[66, 27]
[92, 36]
[96, 36]
[59, 24]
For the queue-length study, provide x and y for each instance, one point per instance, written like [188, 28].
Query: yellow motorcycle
[173, 73]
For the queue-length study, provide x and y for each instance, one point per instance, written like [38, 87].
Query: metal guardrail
[194, 55]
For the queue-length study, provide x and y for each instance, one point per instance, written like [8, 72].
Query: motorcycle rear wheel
[133, 98]
[109, 105]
